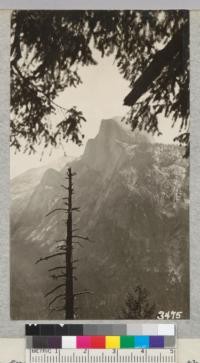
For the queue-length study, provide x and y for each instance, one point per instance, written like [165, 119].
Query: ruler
[101, 355]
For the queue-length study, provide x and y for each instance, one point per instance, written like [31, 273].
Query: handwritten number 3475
[172, 315]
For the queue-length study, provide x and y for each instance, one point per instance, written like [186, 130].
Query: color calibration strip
[99, 342]
[100, 329]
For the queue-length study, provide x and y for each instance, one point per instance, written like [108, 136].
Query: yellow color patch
[112, 342]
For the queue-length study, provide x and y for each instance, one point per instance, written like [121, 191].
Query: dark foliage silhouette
[138, 305]
[150, 48]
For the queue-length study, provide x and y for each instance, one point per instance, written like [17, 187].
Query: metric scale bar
[101, 355]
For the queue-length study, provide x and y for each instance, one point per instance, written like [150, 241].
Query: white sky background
[12, 349]
[100, 96]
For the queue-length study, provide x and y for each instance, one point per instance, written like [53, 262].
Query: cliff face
[133, 196]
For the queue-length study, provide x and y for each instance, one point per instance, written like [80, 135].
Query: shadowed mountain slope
[133, 196]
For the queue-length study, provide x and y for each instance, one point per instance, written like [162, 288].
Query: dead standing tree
[65, 247]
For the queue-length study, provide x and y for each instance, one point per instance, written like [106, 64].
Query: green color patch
[126, 341]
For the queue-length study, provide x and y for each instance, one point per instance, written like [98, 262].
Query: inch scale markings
[101, 355]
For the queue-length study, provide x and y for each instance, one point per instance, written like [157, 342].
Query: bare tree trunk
[69, 309]
[65, 250]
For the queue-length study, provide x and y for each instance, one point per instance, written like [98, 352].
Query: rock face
[23, 186]
[133, 196]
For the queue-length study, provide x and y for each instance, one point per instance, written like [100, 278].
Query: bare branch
[71, 174]
[56, 210]
[55, 288]
[75, 261]
[55, 277]
[56, 268]
[81, 237]
[76, 209]
[61, 248]
[50, 256]
[56, 298]
[83, 292]
[64, 187]
[58, 309]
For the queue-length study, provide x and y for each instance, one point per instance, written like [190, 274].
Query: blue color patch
[156, 342]
[141, 341]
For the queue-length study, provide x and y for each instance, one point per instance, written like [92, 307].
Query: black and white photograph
[99, 164]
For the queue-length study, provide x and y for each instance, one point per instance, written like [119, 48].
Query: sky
[100, 96]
